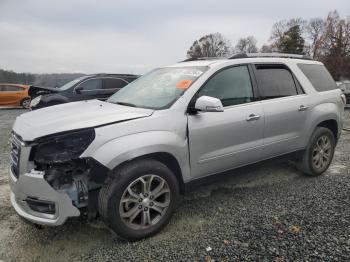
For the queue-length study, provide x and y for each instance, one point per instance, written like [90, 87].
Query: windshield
[158, 89]
[71, 83]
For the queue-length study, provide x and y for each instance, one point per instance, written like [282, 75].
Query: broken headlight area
[62, 147]
[59, 157]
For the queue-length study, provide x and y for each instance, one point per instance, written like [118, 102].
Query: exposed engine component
[71, 177]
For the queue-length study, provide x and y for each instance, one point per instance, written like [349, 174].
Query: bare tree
[335, 45]
[336, 35]
[212, 45]
[314, 31]
[246, 45]
[267, 49]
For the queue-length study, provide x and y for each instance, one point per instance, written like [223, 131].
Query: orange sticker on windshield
[184, 84]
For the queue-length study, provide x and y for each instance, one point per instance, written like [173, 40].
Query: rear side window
[319, 77]
[114, 83]
[275, 81]
[11, 88]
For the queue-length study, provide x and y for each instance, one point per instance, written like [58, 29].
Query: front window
[92, 84]
[71, 83]
[232, 86]
[158, 89]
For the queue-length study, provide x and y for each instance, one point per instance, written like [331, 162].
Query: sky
[131, 36]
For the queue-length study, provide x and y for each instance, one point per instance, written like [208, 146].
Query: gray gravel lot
[267, 213]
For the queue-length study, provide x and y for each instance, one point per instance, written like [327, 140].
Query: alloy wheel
[322, 152]
[144, 202]
[26, 103]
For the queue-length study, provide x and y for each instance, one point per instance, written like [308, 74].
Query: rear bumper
[30, 194]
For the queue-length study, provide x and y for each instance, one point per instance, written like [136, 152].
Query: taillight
[343, 98]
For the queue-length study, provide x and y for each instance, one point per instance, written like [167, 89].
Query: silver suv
[129, 159]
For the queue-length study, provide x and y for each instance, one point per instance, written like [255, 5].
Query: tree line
[323, 39]
[47, 80]
[18, 78]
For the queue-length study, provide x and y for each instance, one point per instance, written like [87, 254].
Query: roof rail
[280, 55]
[200, 58]
[108, 74]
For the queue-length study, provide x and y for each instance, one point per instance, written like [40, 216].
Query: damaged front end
[35, 91]
[60, 184]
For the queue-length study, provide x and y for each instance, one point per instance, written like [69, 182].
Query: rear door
[112, 85]
[219, 141]
[285, 106]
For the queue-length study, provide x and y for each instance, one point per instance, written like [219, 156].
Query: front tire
[319, 153]
[139, 199]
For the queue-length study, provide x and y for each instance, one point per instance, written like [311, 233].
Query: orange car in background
[14, 95]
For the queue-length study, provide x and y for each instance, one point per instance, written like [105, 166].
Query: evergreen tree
[292, 42]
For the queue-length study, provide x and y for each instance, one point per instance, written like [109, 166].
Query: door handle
[252, 117]
[303, 108]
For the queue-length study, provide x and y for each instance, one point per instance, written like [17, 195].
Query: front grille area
[15, 144]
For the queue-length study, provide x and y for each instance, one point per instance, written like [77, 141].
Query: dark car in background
[99, 86]
[345, 88]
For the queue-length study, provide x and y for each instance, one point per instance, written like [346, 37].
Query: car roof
[243, 58]
[114, 75]
[9, 84]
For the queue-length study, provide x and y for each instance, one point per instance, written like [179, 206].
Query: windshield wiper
[126, 104]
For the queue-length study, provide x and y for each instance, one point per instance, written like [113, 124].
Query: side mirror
[209, 104]
[78, 89]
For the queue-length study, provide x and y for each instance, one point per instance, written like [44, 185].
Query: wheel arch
[165, 158]
[163, 146]
[325, 115]
[332, 125]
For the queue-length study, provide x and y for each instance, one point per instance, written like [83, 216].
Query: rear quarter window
[319, 77]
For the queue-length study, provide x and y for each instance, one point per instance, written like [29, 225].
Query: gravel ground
[267, 213]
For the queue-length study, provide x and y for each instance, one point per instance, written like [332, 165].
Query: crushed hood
[37, 90]
[72, 116]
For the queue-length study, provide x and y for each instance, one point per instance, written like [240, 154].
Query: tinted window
[11, 88]
[275, 81]
[113, 83]
[92, 84]
[319, 77]
[232, 86]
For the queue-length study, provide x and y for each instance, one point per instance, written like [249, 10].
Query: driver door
[220, 141]
[89, 89]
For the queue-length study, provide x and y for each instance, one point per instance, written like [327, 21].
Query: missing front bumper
[31, 186]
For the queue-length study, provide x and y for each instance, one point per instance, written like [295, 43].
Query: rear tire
[319, 152]
[139, 199]
[25, 103]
